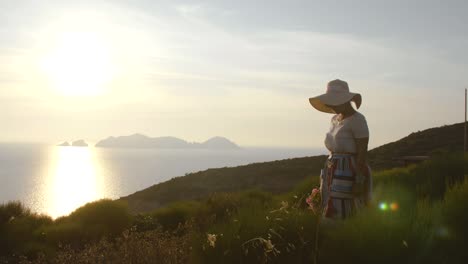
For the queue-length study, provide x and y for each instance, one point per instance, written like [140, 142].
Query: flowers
[211, 239]
[315, 201]
[266, 244]
[269, 247]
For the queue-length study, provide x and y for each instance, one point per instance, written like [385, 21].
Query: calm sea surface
[57, 180]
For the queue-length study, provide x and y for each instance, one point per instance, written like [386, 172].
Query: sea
[57, 180]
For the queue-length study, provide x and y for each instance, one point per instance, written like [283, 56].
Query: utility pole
[464, 146]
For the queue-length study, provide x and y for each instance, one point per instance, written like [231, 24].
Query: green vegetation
[20, 230]
[275, 177]
[23, 233]
[419, 215]
[89, 223]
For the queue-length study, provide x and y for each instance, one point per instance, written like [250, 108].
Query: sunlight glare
[79, 64]
[74, 181]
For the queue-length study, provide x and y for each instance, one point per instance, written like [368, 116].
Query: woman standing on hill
[345, 182]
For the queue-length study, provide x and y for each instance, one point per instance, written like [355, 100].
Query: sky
[239, 69]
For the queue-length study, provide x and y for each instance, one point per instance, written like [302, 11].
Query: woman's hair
[349, 104]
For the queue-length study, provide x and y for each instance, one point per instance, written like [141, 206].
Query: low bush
[172, 216]
[152, 246]
[90, 222]
[453, 230]
[258, 234]
[429, 179]
[20, 230]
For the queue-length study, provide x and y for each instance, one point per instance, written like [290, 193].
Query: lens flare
[442, 232]
[383, 206]
[394, 206]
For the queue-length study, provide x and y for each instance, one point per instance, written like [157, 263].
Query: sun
[79, 64]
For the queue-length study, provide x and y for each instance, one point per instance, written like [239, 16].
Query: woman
[345, 182]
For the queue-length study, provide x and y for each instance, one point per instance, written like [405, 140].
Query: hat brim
[320, 102]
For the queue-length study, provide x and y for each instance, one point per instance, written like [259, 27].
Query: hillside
[429, 142]
[281, 176]
[275, 176]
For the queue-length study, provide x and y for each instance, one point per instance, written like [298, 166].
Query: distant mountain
[219, 143]
[79, 143]
[142, 141]
[64, 144]
[282, 176]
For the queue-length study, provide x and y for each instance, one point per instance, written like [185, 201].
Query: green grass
[419, 231]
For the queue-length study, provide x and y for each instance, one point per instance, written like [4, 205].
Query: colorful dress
[340, 173]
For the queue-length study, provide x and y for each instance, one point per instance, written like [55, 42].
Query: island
[79, 143]
[142, 141]
[76, 143]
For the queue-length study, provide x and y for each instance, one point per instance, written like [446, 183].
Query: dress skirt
[340, 199]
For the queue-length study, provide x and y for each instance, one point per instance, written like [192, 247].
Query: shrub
[11, 210]
[377, 236]
[257, 233]
[453, 230]
[430, 179]
[154, 246]
[90, 222]
[20, 230]
[172, 216]
[455, 211]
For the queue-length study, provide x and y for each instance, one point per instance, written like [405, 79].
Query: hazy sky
[239, 69]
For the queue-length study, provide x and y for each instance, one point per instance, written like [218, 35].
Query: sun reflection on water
[73, 181]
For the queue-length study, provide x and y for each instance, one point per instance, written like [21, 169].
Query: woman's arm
[361, 156]
[361, 159]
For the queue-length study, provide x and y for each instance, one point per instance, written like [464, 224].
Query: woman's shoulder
[359, 126]
[358, 115]
[358, 119]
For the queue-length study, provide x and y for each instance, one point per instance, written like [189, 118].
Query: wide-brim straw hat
[337, 93]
